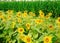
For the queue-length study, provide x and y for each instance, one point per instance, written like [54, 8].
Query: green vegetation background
[46, 6]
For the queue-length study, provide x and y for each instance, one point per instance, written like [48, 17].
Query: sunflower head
[9, 17]
[22, 36]
[28, 39]
[24, 15]
[28, 25]
[38, 21]
[18, 14]
[4, 20]
[10, 12]
[13, 24]
[20, 30]
[51, 27]
[19, 20]
[58, 20]
[25, 11]
[41, 14]
[31, 14]
[47, 16]
[0, 13]
[47, 39]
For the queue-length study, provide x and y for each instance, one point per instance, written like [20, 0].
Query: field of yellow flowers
[26, 27]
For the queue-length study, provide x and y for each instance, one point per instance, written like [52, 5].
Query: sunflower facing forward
[28, 39]
[47, 39]
[38, 21]
[41, 14]
[20, 30]
[18, 14]
[51, 27]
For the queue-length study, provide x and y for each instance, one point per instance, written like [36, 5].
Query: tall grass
[35, 6]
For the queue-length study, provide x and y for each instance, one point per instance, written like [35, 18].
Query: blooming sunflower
[28, 25]
[24, 14]
[47, 39]
[41, 14]
[1, 15]
[10, 12]
[58, 20]
[19, 20]
[3, 19]
[28, 39]
[58, 25]
[51, 27]
[38, 21]
[20, 30]
[47, 16]
[9, 17]
[31, 14]
[13, 24]
[18, 14]
[22, 36]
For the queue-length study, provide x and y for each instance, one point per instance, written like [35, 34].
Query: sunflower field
[27, 26]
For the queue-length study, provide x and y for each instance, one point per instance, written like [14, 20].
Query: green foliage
[46, 6]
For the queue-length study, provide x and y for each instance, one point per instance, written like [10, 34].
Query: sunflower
[58, 20]
[51, 27]
[47, 16]
[27, 39]
[58, 25]
[20, 30]
[31, 14]
[34, 14]
[13, 24]
[18, 14]
[22, 36]
[19, 20]
[41, 14]
[24, 14]
[28, 25]
[9, 17]
[38, 21]
[10, 12]
[25, 11]
[3, 19]
[1, 15]
[47, 39]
